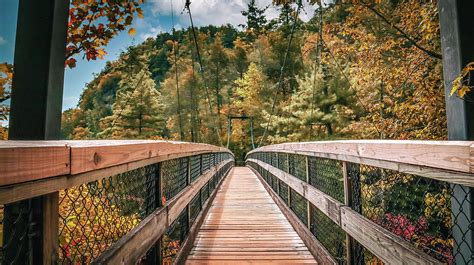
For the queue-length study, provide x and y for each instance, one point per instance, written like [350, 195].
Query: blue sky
[157, 19]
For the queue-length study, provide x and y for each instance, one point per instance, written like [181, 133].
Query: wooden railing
[107, 202]
[362, 202]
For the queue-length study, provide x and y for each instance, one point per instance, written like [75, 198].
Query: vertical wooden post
[308, 204]
[457, 36]
[188, 182]
[159, 203]
[50, 228]
[35, 114]
[347, 202]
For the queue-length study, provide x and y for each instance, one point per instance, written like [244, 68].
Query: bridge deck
[244, 225]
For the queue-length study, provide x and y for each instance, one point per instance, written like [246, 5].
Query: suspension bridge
[165, 202]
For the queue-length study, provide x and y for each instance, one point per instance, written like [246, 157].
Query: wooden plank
[325, 203]
[92, 155]
[131, 247]
[244, 225]
[187, 245]
[25, 162]
[25, 190]
[385, 245]
[447, 155]
[314, 246]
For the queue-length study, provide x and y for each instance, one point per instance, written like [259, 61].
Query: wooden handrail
[134, 245]
[450, 161]
[24, 161]
[388, 247]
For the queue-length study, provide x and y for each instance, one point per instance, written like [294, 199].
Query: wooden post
[35, 114]
[50, 228]
[457, 36]
[159, 203]
[347, 202]
[188, 182]
[308, 204]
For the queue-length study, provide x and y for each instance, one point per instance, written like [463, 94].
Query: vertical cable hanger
[175, 49]
[187, 6]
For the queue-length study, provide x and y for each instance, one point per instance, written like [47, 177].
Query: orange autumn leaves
[92, 24]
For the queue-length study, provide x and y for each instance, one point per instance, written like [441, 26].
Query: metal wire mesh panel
[195, 167]
[326, 175]
[92, 216]
[461, 201]
[19, 225]
[205, 193]
[330, 235]
[414, 208]
[283, 162]
[172, 240]
[174, 177]
[283, 188]
[194, 208]
[299, 205]
[205, 162]
[297, 166]
[274, 159]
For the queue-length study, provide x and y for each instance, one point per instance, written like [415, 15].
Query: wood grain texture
[134, 245]
[24, 161]
[447, 155]
[325, 203]
[245, 226]
[25, 190]
[388, 247]
[385, 245]
[50, 228]
[314, 246]
[188, 243]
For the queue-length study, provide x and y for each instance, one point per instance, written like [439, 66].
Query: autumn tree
[6, 75]
[138, 109]
[256, 19]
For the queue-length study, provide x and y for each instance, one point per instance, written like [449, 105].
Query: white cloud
[152, 32]
[2, 40]
[216, 12]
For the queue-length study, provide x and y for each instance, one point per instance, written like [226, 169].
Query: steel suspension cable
[175, 48]
[285, 58]
[201, 68]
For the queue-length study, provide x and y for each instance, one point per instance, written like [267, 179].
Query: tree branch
[5, 98]
[404, 34]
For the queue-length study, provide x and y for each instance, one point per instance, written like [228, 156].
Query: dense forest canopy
[355, 70]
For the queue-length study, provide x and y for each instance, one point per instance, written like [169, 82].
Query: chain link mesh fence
[414, 208]
[433, 215]
[330, 235]
[94, 215]
[299, 205]
[326, 175]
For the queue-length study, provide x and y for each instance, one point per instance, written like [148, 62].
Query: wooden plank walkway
[245, 226]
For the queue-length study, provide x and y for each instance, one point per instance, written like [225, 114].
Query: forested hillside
[352, 71]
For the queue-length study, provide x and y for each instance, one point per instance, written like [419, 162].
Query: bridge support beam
[457, 36]
[31, 226]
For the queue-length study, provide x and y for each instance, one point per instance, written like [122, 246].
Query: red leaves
[71, 63]
[87, 36]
